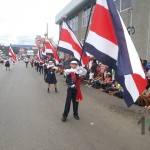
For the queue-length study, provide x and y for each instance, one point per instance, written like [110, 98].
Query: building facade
[135, 14]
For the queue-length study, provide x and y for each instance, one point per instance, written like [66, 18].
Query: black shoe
[56, 90]
[64, 118]
[48, 90]
[76, 117]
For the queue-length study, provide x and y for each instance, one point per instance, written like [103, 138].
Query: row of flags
[109, 42]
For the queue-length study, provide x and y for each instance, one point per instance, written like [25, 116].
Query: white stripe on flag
[134, 57]
[103, 45]
[71, 33]
[131, 87]
[69, 47]
[102, 3]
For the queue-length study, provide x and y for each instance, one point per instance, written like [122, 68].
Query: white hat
[74, 62]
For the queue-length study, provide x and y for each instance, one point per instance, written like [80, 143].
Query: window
[123, 4]
[85, 16]
[73, 23]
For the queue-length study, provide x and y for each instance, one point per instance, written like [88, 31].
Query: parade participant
[51, 77]
[26, 61]
[32, 62]
[7, 64]
[41, 67]
[73, 77]
[45, 68]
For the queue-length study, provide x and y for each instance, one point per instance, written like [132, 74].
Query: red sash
[77, 82]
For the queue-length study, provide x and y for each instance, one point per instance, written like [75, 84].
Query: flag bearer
[73, 79]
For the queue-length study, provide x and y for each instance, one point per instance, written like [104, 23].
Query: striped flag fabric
[49, 49]
[109, 42]
[69, 44]
[11, 53]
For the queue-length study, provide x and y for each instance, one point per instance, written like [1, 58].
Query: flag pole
[47, 30]
[92, 4]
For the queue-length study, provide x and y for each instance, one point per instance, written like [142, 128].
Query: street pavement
[30, 118]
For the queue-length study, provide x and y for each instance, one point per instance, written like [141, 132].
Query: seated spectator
[91, 77]
[144, 98]
[148, 76]
[114, 86]
[96, 82]
[118, 93]
[107, 82]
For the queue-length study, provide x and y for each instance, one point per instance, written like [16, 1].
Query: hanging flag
[109, 42]
[11, 53]
[49, 49]
[69, 44]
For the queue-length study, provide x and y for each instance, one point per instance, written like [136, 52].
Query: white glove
[55, 67]
[82, 71]
[68, 71]
[72, 86]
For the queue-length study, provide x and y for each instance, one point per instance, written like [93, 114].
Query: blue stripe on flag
[67, 51]
[126, 95]
[124, 65]
[102, 57]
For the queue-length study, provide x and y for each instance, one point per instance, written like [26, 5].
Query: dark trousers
[71, 95]
[26, 64]
[45, 73]
[41, 69]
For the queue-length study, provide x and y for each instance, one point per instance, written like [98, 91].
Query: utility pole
[47, 31]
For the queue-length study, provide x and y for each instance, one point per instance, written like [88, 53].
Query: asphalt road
[30, 118]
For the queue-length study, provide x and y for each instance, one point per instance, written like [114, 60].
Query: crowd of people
[94, 75]
[99, 76]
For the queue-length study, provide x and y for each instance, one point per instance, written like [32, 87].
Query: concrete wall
[141, 23]
[140, 20]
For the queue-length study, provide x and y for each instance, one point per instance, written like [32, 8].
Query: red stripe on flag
[49, 46]
[12, 54]
[140, 82]
[102, 24]
[66, 37]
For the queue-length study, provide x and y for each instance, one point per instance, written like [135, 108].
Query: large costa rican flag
[109, 42]
[11, 53]
[69, 44]
[50, 50]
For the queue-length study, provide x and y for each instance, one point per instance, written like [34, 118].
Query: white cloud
[22, 20]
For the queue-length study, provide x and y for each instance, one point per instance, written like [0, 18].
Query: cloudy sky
[22, 20]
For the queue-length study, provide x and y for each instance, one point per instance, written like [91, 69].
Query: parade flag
[11, 53]
[69, 44]
[49, 49]
[109, 42]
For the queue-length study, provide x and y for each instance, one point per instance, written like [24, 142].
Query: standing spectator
[66, 64]
[94, 67]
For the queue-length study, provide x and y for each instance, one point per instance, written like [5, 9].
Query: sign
[30, 52]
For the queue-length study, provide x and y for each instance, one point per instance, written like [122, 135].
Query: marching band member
[73, 79]
[51, 77]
